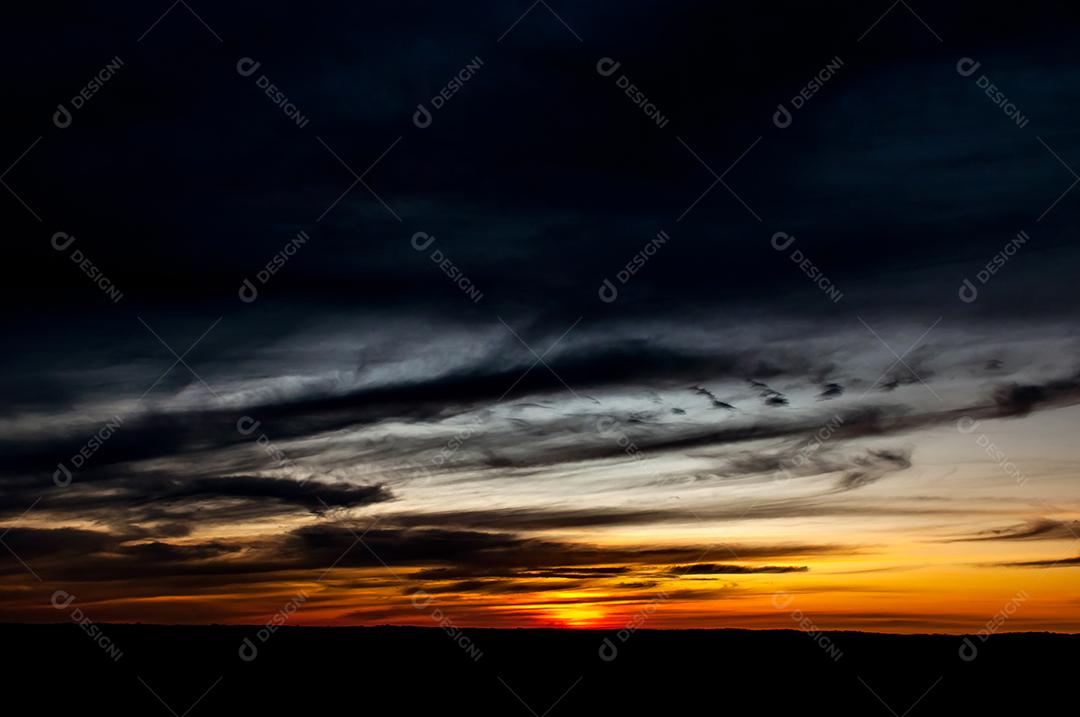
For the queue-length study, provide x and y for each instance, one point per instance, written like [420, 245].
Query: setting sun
[579, 616]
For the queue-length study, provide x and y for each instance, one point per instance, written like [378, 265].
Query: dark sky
[539, 178]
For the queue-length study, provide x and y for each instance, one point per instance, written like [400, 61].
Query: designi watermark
[421, 241]
[812, 445]
[783, 117]
[248, 291]
[423, 117]
[62, 475]
[781, 241]
[609, 650]
[968, 291]
[608, 292]
[61, 241]
[968, 651]
[967, 67]
[246, 425]
[782, 600]
[249, 650]
[421, 600]
[61, 600]
[63, 117]
[606, 67]
[968, 425]
[246, 67]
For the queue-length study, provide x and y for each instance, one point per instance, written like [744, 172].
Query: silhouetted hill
[199, 671]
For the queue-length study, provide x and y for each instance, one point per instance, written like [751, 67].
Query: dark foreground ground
[198, 671]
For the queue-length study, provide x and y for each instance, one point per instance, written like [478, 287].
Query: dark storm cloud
[483, 551]
[1015, 400]
[314, 495]
[189, 433]
[884, 419]
[90, 555]
[34, 543]
[72, 554]
[850, 423]
[1019, 400]
[173, 503]
[607, 365]
[524, 193]
[588, 366]
[182, 434]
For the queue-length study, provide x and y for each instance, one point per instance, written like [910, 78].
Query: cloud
[577, 573]
[1040, 529]
[483, 551]
[770, 396]
[874, 466]
[1062, 563]
[533, 519]
[726, 569]
[1021, 399]
[831, 390]
[167, 505]
[716, 402]
[66, 554]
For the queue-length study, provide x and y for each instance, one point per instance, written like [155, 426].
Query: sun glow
[577, 616]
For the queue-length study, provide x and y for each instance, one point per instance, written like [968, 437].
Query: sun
[577, 616]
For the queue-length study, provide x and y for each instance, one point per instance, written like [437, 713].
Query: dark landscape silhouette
[198, 671]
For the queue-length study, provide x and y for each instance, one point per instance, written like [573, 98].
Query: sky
[563, 314]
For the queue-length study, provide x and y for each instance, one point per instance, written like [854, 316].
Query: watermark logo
[421, 600]
[246, 426]
[61, 600]
[969, 292]
[608, 649]
[450, 448]
[63, 117]
[61, 241]
[968, 651]
[423, 117]
[608, 292]
[966, 67]
[811, 446]
[246, 67]
[421, 241]
[781, 241]
[249, 650]
[608, 426]
[783, 117]
[968, 425]
[782, 600]
[606, 67]
[248, 291]
[62, 475]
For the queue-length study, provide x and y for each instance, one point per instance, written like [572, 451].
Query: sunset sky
[546, 360]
